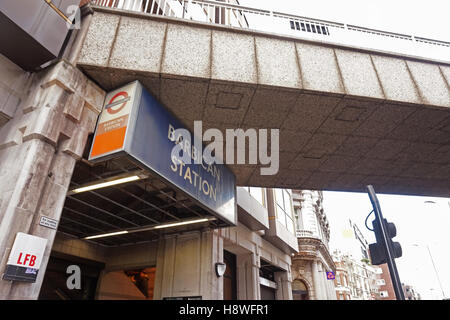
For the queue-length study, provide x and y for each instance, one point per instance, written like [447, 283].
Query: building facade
[136, 240]
[387, 291]
[356, 280]
[311, 264]
[147, 236]
[410, 292]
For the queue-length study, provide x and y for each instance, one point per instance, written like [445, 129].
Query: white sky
[417, 17]
[427, 19]
[417, 223]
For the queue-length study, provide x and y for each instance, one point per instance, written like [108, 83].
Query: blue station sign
[134, 123]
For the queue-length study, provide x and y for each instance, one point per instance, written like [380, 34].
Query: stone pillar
[284, 282]
[185, 266]
[38, 150]
[330, 289]
[322, 279]
[248, 277]
[316, 281]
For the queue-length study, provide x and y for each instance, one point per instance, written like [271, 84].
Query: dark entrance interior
[267, 272]
[267, 293]
[54, 285]
[229, 278]
[138, 205]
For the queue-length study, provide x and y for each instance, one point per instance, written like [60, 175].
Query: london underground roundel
[113, 122]
[120, 96]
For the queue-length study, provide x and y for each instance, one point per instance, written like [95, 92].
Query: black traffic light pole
[389, 250]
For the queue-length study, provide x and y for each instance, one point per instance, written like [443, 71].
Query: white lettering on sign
[48, 222]
[27, 251]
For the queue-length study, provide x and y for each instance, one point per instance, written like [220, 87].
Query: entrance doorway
[54, 285]
[229, 278]
[299, 290]
[268, 286]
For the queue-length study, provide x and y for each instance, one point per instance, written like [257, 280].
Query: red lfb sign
[26, 259]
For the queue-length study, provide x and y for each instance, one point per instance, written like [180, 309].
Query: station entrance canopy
[133, 187]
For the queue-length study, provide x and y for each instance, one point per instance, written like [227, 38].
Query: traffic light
[378, 250]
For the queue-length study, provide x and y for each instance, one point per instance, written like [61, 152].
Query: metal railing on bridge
[239, 16]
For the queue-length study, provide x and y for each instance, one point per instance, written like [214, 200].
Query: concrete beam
[348, 117]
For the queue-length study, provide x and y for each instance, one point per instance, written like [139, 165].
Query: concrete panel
[306, 162]
[371, 166]
[358, 74]
[242, 173]
[387, 149]
[277, 63]
[187, 266]
[233, 57]
[322, 144]
[348, 116]
[187, 52]
[383, 120]
[290, 177]
[323, 180]
[309, 112]
[446, 72]
[356, 146]
[319, 69]
[269, 108]
[184, 98]
[395, 79]
[335, 163]
[251, 212]
[226, 103]
[427, 118]
[138, 45]
[293, 141]
[99, 39]
[430, 82]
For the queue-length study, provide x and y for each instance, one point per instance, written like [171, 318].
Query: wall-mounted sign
[25, 258]
[48, 222]
[135, 124]
[330, 275]
[113, 122]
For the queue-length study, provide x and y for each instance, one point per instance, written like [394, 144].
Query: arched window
[299, 290]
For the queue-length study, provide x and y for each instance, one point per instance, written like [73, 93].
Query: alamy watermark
[188, 149]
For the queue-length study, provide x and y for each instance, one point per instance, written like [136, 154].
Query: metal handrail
[236, 15]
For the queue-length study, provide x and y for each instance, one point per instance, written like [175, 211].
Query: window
[283, 200]
[381, 282]
[258, 194]
[384, 294]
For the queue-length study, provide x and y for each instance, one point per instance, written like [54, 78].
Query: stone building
[410, 292]
[311, 264]
[133, 231]
[145, 238]
[356, 279]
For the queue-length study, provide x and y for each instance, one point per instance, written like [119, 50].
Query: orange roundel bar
[108, 141]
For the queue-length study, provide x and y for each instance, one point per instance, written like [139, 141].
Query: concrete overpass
[347, 116]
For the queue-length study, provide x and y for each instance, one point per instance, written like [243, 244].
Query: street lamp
[435, 270]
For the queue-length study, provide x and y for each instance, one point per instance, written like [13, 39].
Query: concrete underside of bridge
[347, 117]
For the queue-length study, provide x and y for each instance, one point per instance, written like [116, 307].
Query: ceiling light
[161, 226]
[104, 184]
[106, 235]
[175, 224]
